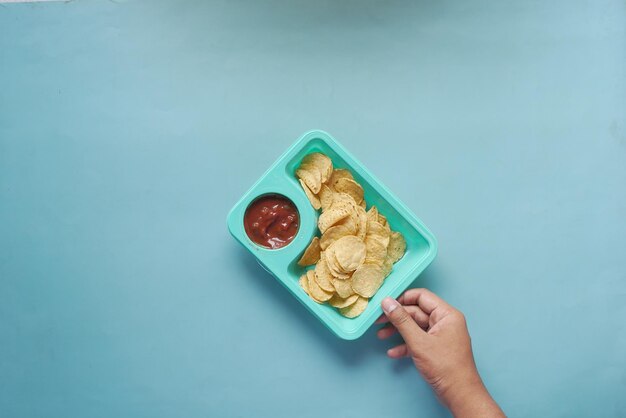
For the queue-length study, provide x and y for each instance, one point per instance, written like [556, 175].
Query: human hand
[436, 338]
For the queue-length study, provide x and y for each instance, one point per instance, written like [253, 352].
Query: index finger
[423, 298]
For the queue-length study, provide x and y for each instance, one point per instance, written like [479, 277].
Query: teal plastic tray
[282, 263]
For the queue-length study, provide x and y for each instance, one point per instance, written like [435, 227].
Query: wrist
[464, 387]
[469, 397]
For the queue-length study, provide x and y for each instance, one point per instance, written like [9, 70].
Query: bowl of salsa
[271, 221]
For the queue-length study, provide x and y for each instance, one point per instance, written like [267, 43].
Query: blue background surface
[128, 130]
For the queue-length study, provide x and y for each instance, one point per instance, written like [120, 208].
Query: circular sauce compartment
[277, 218]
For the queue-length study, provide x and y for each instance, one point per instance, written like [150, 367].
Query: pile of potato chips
[356, 250]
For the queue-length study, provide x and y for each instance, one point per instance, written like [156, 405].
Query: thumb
[412, 334]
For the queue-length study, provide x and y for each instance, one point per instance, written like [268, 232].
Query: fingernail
[389, 305]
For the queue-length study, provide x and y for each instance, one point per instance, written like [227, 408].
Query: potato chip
[349, 252]
[325, 197]
[332, 234]
[321, 162]
[382, 242]
[304, 283]
[349, 223]
[351, 188]
[397, 246]
[339, 302]
[323, 276]
[375, 252]
[311, 177]
[372, 214]
[379, 232]
[361, 227]
[367, 279]
[316, 292]
[331, 217]
[315, 202]
[339, 173]
[354, 310]
[343, 288]
[344, 198]
[333, 266]
[342, 201]
[387, 267]
[311, 254]
[363, 204]
[382, 220]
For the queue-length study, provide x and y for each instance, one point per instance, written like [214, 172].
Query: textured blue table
[128, 130]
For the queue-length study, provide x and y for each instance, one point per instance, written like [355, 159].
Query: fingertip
[398, 351]
[389, 305]
[393, 354]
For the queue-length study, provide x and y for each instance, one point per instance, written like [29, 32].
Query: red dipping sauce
[271, 221]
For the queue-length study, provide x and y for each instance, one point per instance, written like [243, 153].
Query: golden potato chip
[349, 252]
[339, 302]
[333, 266]
[374, 218]
[382, 220]
[304, 283]
[372, 214]
[331, 217]
[361, 228]
[354, 310]
[387, 266]
[350, 207]
[379, 232]
[375, 251]
[311, 254]
[363, 204]
[332, 234]
[343, 288]
[344, 198]
[339, 173]
[321, 162]
[397, 246]
[315, 291]
[383, 241]
[325, 197]
[367, 279]
[323, 276]
[349, 223]
[351, 188]
[311, 177]
[315, 202]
